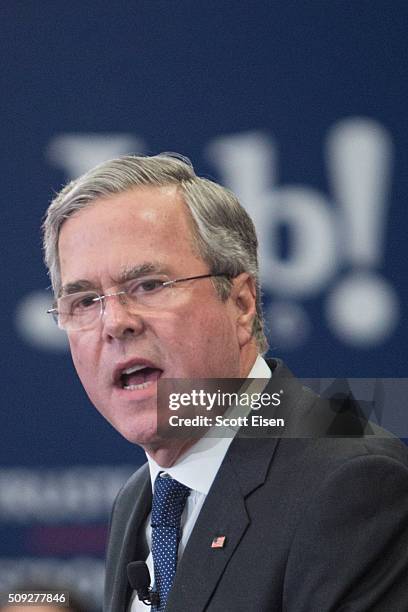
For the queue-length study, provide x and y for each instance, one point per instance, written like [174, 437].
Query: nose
[118, 319]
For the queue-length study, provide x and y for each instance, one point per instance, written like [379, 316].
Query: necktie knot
[169, 499]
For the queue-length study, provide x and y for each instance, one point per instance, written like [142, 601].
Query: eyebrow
[128, 273]
[142, 270]
[80, 285]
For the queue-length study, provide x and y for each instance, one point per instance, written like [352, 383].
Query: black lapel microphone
[139, 579]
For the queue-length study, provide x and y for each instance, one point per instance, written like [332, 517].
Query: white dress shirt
[197, 469]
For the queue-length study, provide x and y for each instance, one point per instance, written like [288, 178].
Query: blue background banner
[298, 107]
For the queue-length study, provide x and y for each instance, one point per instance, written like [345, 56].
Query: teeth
[141, 386]
[135, 368]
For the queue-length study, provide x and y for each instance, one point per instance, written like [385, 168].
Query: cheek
[210, 332]
[220, 324]
[83, 356]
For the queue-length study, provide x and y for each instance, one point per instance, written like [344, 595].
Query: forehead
[145, 207]
[143, 224]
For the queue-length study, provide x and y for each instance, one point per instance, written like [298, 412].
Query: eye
[83, 302]
[146, 285]
[151, 284]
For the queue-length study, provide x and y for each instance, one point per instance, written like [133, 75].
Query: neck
[248, 360]
[167, 452]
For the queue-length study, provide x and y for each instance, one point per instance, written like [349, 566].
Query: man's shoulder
[319, 455]
[330, 453]
[326, 452]
[330, 430]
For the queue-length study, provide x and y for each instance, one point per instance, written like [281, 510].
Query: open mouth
[138, 377]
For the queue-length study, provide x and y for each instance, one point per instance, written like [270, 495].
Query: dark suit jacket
[311, 525]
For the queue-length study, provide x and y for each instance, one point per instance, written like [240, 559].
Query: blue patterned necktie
[169, 499]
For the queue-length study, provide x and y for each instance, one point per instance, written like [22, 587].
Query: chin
[142, 435]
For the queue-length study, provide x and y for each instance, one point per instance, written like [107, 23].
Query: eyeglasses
[82, 310]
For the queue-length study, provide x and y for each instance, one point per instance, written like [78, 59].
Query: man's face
[193, 335]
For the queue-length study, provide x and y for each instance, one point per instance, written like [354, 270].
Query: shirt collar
[207, 451]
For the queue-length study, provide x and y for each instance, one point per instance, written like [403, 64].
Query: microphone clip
[139, 579]
[150, 599]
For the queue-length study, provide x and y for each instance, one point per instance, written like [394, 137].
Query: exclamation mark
[363, 307]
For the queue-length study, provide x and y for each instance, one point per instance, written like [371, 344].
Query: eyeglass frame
[102, 298]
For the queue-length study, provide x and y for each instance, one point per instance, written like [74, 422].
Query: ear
[244, 297]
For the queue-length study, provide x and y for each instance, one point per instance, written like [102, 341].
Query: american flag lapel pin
[218, 542]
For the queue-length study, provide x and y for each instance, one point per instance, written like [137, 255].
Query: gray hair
[224, 233]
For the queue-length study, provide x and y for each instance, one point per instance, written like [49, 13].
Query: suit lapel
[224, 514]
